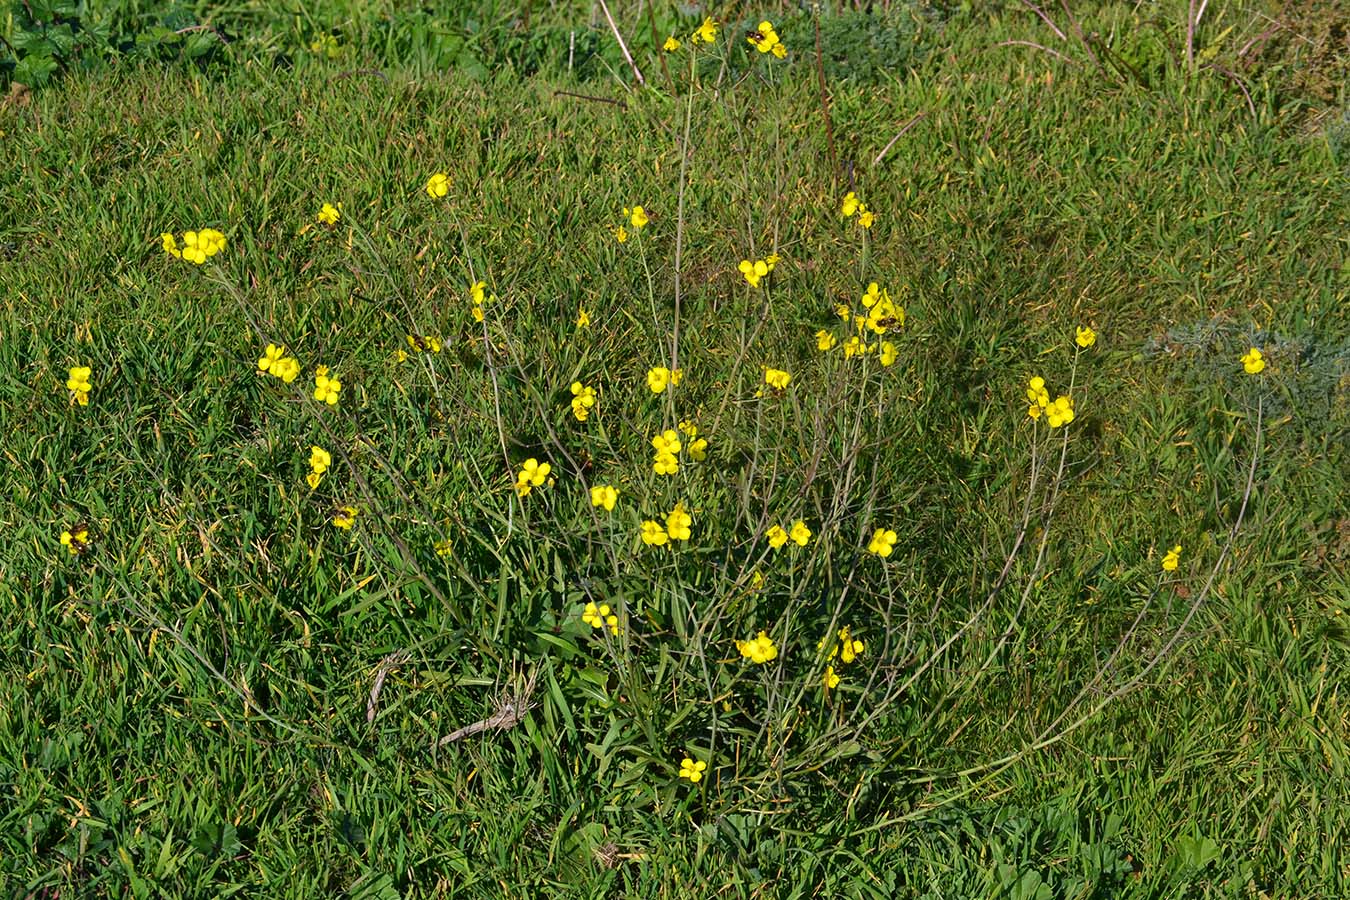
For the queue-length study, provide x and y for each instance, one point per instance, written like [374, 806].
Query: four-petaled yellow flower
[326, 389]
[765, 40]
[671, 44]
[849, 647]
[1060, 412]
[78, 384]
[659, 378]
[604, 495]
[600, 616]
[319, 461]
[777, 536]
[1172, 559]
[883, 542]
[754, 271]
[423, 342]
[583, 399]
[1252, 362]
[825, 341]
[759, 649]
[330, 214]
[620, 234]
[532, 474]
[849, 208]
[692, 769]
[653, 535]
[866, 218]
[888, 353]
[76, 541]
[667, 441]
[831, 679]
[776, 379]
[345, 517]
[707, 32]
[678, 522]
[1085, 337]
[583, 318]
[800, 534]
[438, 185]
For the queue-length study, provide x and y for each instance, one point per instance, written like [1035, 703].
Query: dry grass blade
[388, 664]
[512, 705]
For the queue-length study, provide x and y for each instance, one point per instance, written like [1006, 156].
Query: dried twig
[390, 662]
[511, 708]
[622, 46]
[1045, 18]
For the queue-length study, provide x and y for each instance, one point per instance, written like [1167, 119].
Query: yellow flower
[842, 311]
[319, 460]
[865, 216]
[825, 341]
[1060, 412]
[678, 522]
[1037, 393]
[478, 292]
[659, 378]
[604, 495]
[1085, 337]
[698, 449]
[692, 769]
[620, 234]
[637, 218]
[271, 356]
[583, 399]
[850, 205]
[759, 649]
[198, 246]
[1172, 559]
[600, 616]
[667, 442]
[888, 353]
[765, 40]
[170, 244]
[532, 474]
[665, 464]
[777, 379]
[800, 533]
[78, 385]
[330, 214]
[831, 679]
[287, 369]
[423, 342]
[1252, 362]
[345, 517]
[707, 32]
[777, 536]
[438, 185]
[883, 542]
[754, 271]
[444, 547]
[77, 541]
[325, 388]
[653, 535]
[583, 318]
[849, 648]
[671, 44]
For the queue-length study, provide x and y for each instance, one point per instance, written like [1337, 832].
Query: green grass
[188, 705]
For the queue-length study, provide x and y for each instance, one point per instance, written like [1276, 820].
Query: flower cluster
[319, 461]
[659, 378]
[667, 445]
[583, 400]
[1252, 362]
[848, 649]
[326, 389]
[274, 361]
[852, 206]
[695, 446]
[532, 474]
[78, 385]
[600, 616]
[1058, 412]
[778, 536]
[198, 246]
[754, 271]
[765, 40]
[677, 528]
[878, 315]
[759, 649]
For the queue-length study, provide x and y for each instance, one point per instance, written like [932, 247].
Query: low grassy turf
[1038, 710]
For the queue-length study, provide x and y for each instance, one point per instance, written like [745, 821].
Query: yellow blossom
[866, 217]
[665, 464]
[776, 379]
[604, 495]
[330, 214]
[1172, 559]
[692, 769]
[1252, 362]
[1085, 337]
[765, 40]
[678, 522]
[325, 388]
[620, 234]
[777, 536]
[754, 271]
[849, 208]
[825, 341]
[78, 384]
[345, 517]
[707, 32]
[1060, 412]
[800, 534]
[319, 460]
[637, 217]
[532, 474]
[831, 679]
[583, 318]
[76, 541]
[438, 185]
[583, 400]
[671, 44]
[600, 616]
[849, 647]
[883, 542]
[888, 353]
[759, 649]
[653, 535]
[659, 378]
[667, 441]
